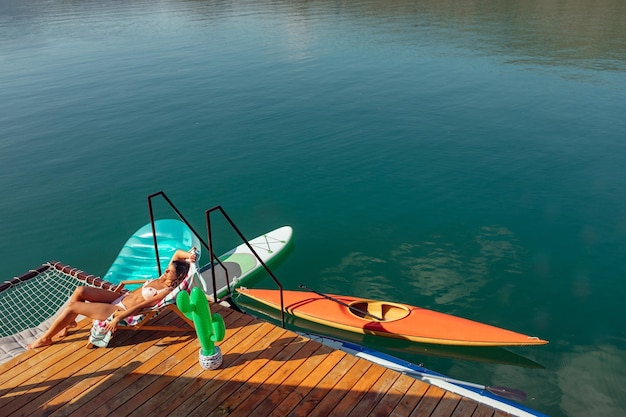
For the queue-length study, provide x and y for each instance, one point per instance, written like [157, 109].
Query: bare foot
[66, 330]
[39, 343]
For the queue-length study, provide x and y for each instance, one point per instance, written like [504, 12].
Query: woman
[100, 304]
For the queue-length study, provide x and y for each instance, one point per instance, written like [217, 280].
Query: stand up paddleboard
[240, 264]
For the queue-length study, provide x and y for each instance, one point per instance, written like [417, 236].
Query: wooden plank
[100, 363]
[59, 374]
[193, 380]
[324, 385]
[308, 383]
[132, 384]
[411, 398]
[12, 368]
[187, 358]
[152, 385]
[97, 376]
[283, 381]
[42, 375]
[266, 371]
[270, 346]
[9, 366]
[202, 386]
[156, 393]
[111, 363]
[483, 410]
[465, 408]
[258, 387]
[342, 388]
[446, 406]
[115, 387]
[429, 402]
[29, 364]
[258, 340]
[375, 394]
[393, 396]
[110, 368]
[180, 376]
[358, 391]
[59, 394]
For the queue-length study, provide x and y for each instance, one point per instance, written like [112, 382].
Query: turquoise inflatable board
[137, 259]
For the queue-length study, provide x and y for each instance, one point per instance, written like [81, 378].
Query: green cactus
[210, 329]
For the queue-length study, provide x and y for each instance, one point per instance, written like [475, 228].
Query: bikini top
[149, 292]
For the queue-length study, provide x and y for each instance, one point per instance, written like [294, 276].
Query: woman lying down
[100, 304]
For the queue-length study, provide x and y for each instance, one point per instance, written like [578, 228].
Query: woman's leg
[94, 295]
[98, 308]
[90, 294]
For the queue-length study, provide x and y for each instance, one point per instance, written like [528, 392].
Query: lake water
[462, 156]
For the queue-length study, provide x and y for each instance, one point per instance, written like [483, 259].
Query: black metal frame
[209, 246]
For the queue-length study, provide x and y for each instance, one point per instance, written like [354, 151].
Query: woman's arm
[183, 255]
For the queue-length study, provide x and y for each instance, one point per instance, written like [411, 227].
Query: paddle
[365, 313]
[505, 392]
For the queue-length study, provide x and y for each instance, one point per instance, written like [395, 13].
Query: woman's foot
[66, 330]
[39, 343]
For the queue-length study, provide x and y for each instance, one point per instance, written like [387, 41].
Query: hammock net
[29, 300]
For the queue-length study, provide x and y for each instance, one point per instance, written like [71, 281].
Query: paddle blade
[506, 392]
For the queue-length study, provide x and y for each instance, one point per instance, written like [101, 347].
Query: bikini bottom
[118, 302]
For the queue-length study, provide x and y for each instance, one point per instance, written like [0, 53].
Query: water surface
[463, 157]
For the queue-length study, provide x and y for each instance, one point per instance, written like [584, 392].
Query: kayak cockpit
[378, 310]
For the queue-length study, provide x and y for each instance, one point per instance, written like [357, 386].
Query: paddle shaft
[510, 393]
[365, 313]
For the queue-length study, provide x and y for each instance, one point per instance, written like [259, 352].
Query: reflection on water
[552, 32]
[448, 269]
[437, 268]
[580, 388]
[575, 33]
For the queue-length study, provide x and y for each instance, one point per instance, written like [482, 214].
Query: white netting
[31, 299]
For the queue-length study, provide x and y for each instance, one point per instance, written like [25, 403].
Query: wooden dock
[266, 371]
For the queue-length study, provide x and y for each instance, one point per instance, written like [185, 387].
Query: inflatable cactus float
[210, 328]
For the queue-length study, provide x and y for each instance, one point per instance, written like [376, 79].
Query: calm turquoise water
[468, 158]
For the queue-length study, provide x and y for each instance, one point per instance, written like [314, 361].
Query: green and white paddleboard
[242, 264]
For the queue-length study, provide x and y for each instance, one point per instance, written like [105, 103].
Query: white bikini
[146, 292]
[149, 292]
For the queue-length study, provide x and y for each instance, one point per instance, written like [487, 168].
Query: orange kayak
[387, 319]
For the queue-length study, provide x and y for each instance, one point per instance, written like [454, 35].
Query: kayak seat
[394, 312]
[385, 311]
[375, 309]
